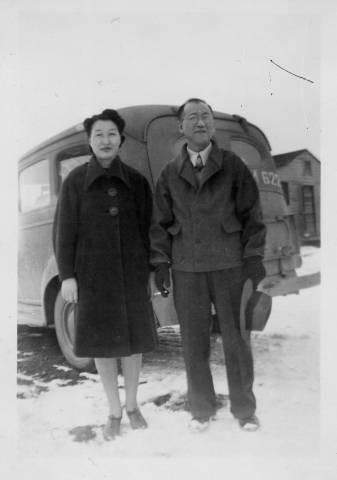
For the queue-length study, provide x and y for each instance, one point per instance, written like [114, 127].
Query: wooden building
[299, 173]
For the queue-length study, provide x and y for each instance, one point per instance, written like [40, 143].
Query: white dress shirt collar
[204, 154]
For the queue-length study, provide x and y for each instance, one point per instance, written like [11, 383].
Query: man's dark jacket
[211, 226]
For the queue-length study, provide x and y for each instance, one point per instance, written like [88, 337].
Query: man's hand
[162, 278]
[254, 270]
[69, 290]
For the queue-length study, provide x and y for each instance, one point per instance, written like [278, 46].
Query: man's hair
[180, 111]
[107, 114]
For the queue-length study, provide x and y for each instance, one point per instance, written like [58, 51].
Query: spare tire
[64, 319]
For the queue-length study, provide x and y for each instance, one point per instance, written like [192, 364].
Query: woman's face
[105, 141]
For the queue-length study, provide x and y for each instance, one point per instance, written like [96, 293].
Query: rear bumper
[274, 285]
[278, 285]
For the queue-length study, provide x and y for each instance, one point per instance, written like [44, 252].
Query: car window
[68, 164]
[34, 186]
[247, 152]
[162, 136]
[262, 169]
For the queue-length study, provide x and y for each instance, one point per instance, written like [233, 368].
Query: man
[207, 227]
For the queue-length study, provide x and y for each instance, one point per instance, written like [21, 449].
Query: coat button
[112, 192]
[113, 211]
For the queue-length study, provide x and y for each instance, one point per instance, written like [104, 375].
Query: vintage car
[152, 139]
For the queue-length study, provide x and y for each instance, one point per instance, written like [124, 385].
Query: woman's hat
[255, 309]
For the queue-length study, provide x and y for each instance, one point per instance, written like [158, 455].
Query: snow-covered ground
[66, 421]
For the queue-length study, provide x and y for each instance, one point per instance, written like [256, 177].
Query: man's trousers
[194, 293]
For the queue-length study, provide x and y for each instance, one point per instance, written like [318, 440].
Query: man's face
[197, 125]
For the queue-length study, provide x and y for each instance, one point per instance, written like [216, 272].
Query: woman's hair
[107, 114]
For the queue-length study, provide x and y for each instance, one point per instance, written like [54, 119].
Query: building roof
[285, 158]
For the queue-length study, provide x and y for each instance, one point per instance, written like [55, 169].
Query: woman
[102, 246]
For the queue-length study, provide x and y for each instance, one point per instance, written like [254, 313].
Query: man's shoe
[249, 424]
[198, 426]
[137, 421]
[112, 428]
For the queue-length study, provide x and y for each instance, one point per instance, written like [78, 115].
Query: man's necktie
[198, 164]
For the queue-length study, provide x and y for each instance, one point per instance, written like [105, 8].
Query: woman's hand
[69, 290]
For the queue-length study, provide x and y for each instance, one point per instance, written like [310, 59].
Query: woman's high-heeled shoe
[112, 428]
[137, 421]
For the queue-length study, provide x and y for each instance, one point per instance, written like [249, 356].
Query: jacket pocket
[174, 229]
[177, 243]
[231, 226]
[231, 241]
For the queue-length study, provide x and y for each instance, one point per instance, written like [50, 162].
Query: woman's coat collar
[116, 169]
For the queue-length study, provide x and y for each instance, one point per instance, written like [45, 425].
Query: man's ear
[180, 127]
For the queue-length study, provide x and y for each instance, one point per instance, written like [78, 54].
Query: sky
[75, 62]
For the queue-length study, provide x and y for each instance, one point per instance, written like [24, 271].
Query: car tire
[64, 319]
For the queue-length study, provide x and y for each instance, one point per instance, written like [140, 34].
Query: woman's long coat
[101, 239]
